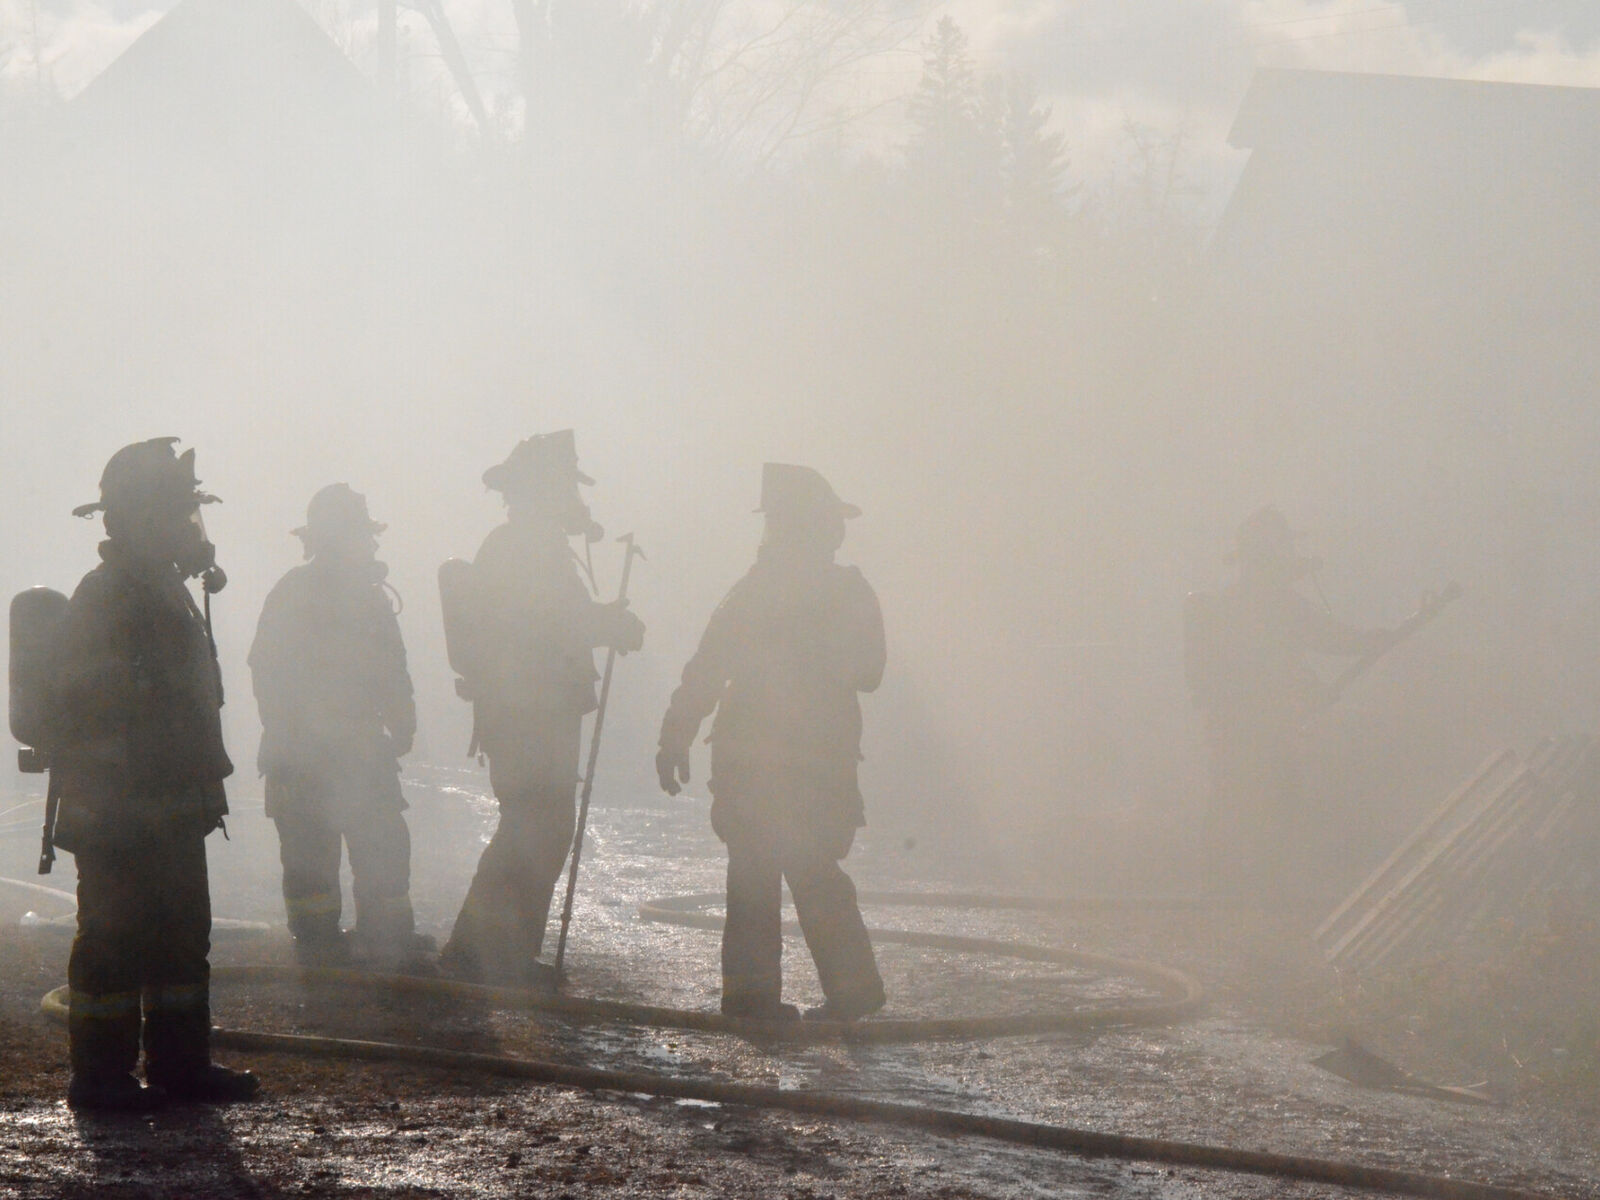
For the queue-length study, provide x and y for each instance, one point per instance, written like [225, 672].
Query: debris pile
[1520, 832]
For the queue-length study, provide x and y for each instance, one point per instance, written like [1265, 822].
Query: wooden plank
[1423, 898]
[1404, 854]
[1507, 857]
[1475, 890]
[1394, 894]
[1554, 850]
[1468, 879]
[1402, 890]
[1414, 898]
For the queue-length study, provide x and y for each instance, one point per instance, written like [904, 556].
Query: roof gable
[213, 74]
[1285, 107]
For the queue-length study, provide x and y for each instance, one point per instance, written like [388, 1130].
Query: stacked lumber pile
[1515, 834]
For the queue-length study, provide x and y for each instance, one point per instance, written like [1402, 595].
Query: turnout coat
[140, 696]
[329, 671]
[781, 662]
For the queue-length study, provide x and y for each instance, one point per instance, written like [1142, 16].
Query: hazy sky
[1099, 62]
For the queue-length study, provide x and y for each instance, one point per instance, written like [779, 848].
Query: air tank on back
[35, 617]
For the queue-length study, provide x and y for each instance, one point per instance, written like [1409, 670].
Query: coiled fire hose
[1181, 996]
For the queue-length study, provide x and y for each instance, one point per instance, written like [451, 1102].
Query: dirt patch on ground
[1512, 1003]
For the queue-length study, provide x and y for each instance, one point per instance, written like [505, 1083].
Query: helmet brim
[98, 506]
[843, 508]
[506, 475]
[305, 531]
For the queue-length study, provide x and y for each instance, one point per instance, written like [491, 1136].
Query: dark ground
[1240, 1075]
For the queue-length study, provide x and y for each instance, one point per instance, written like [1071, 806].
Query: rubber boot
[848, 1008]
[752, 1007]
[416, 955]
[213, 1084]
[112, 1093]
[323, 949]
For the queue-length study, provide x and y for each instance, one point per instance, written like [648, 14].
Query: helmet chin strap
[588, 564]
[591, 531]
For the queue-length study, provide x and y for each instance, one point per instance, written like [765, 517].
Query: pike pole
[1432, 605]
[628, 556]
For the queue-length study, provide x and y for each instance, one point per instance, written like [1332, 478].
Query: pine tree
[945, 104]
[955, 134]
[1035, 159]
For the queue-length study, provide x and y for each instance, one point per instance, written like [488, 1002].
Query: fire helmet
[543, 459]
[145, 475]
[1265, 539]
[336, 513]
[794, 492]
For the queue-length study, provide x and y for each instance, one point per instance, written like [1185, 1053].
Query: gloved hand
[835, 841]
[623, 630]
[672, 769]
[835, 834]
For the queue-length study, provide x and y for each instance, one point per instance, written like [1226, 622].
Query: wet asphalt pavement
[1235, 1076]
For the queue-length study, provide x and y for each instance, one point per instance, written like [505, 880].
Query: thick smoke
[876, 256]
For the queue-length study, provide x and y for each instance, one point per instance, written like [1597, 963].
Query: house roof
[1284, 107]
[1388, 227]
[1405, 165]
[214, 73]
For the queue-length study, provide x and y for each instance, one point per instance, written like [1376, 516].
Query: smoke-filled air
[1077, 521]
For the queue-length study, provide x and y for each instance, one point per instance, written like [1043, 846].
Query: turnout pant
[501, 926]
[1254, 822]
[144, 934]
[379, 844]
[764, 851]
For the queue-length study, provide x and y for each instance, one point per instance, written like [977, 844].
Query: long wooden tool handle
[1430, 608]
[594, 757]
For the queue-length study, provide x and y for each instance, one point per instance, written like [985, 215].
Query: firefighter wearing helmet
[329, 671]
[781, 663]
[522, 629]
[1245, 657]
[139, 764]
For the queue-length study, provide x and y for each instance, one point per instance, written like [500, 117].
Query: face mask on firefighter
[552, 497]
[578, 520]
[196, 555]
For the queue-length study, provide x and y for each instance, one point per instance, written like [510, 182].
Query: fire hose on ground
[1179, 996]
